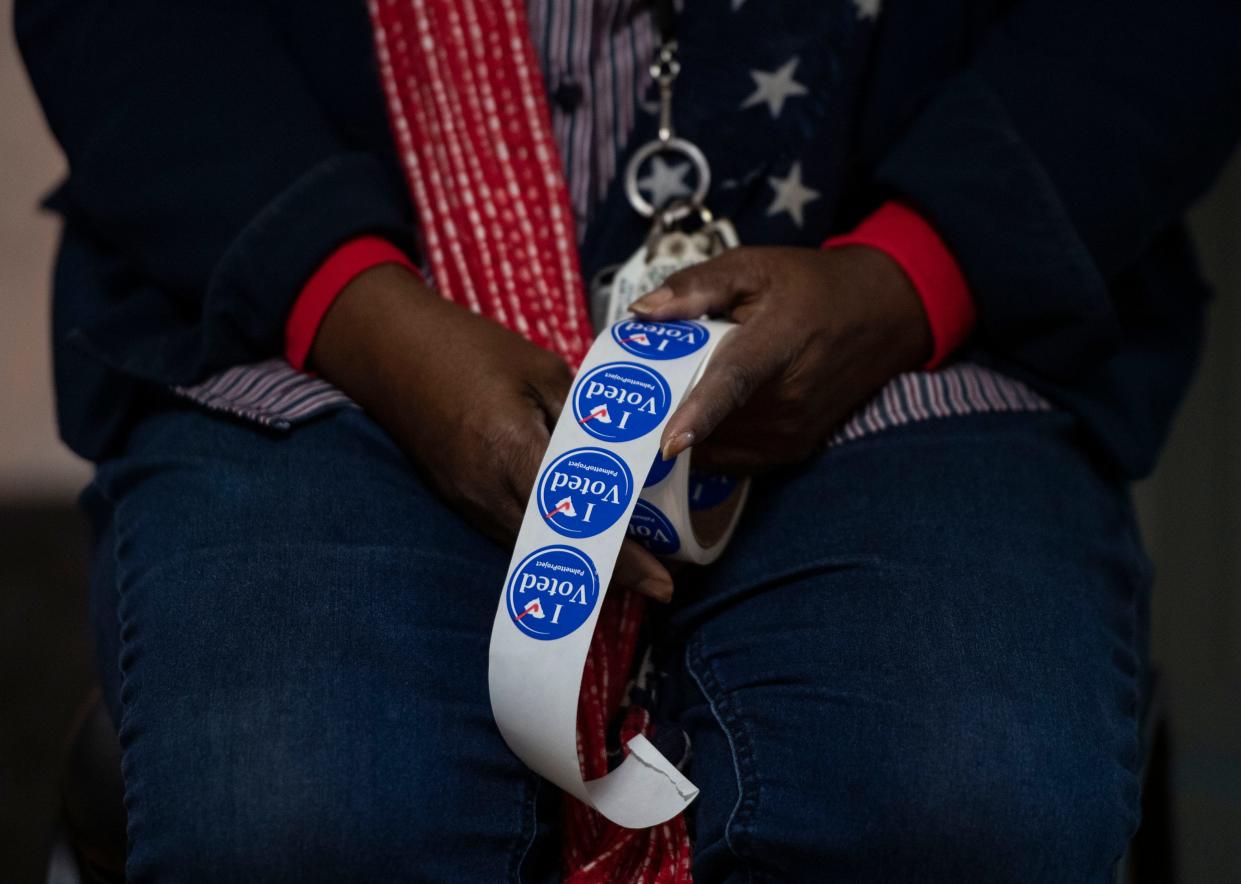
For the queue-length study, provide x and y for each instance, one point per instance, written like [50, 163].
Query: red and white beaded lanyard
[474, 137]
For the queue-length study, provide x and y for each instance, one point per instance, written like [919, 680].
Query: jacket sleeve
[1078, 132]
[200, 159]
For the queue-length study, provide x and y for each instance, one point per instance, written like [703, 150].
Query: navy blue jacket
[218, 151]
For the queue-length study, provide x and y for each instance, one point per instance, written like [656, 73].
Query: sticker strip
[586, 501]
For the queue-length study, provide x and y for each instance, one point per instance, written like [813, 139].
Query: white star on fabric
[774, 87]
[665, 181]
[867, 8]
[791, 195]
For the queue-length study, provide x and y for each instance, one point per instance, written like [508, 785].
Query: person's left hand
[821, 330]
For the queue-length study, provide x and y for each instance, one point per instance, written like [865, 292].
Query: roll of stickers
[601, 480]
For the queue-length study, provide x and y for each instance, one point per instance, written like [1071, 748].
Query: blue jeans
[920, 660]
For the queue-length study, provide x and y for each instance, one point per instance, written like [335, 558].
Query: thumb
[712, 287]
[638, 569]
[745, 361]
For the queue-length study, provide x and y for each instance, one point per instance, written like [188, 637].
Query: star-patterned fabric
[791, 195]
[774, 87]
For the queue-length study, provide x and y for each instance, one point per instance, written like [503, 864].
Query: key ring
[664, 70]
[687, 149]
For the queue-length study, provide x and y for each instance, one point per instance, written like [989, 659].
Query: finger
[522, 453]
[506, 519]
[745, 361]
[555, 389]
[639, 570]
[760, 434]
[712, 287]
[734, 460]
[548, 388]
[553, 400]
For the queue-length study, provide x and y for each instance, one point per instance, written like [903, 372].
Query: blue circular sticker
[620, 401]
[659, 340]
[584, 492]
[652, 529]
[708, 489]
[552, 592]
[659, 469]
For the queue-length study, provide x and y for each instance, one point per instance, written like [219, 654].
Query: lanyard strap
[666, 20]
[664, 70]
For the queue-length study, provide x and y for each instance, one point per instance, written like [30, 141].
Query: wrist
[325, 285]
[892, 305]
[915, 247]
[372, 329]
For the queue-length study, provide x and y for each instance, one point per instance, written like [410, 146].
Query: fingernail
[660, 590]
[676, 443]
[652, 300]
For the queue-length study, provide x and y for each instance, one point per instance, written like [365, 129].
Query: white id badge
[664, 253]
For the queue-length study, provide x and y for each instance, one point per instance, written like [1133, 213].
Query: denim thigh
[919, 660]
[293, 634]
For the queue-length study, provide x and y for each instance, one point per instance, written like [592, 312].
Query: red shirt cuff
[904, 236]
[340, 269]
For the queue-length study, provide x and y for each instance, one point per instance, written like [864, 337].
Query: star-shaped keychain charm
[665, 182]
[791, 195]
[775, 87]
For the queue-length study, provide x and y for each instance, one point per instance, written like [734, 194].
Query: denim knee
[801, 784]
[935, 816]
[998, 819]
[263, 803]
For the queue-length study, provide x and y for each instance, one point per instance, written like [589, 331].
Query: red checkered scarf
[467, 107]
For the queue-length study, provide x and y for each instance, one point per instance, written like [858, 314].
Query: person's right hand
[472, 403]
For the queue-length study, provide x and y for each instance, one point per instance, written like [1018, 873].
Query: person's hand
[472, 403]
[821, 330]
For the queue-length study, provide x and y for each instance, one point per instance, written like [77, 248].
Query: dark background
[1191, 516]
